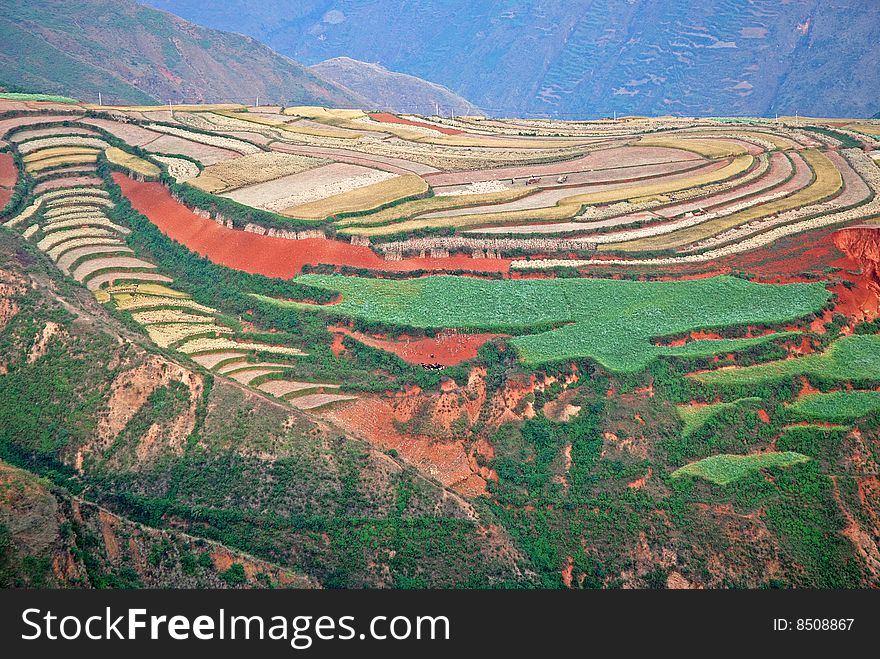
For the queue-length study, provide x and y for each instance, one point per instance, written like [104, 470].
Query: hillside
[387, 90]
[132, 474]
[590, 58]
[134, 54]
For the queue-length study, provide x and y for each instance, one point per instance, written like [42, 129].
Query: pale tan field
[362, 199]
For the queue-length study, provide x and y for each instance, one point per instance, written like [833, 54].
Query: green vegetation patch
[17, 96]
[614, 322]
[848, 358]
[837, 405]
[723, 469]
[695, 416]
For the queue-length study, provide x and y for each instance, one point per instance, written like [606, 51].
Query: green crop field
[848, 358]
[723, 469]
[16, 96]
[696, 416]
[837, 405]
[614, 322]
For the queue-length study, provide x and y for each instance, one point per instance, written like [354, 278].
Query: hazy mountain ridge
[592, 57]
[136, 54]
[388, 90]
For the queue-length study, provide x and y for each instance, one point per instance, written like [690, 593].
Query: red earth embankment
[268, 255]
[862, 244]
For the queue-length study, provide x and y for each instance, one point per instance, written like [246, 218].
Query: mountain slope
[136, 54]
[592, 57]
[387, 90]
[182, 460]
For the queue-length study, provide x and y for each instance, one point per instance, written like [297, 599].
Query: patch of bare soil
[128, 394]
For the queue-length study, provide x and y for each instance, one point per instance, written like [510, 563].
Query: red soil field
[8, 171]
[388, 118]
[267, 255]
[5, 195]
[447, 349]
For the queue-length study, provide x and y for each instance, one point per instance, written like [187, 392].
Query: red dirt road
[267, 255]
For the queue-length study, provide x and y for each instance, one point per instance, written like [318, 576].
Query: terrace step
[315, 401]
[211, 359]
[288, 389]
[247, 375]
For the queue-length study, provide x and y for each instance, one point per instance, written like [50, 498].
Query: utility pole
[170, 109]
[100, 101]
[257, 103]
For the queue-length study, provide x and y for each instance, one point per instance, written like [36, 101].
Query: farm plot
[801, 178]
[848, 358]
[204, 153]
[725, 468]
[129, 133]
[253, 169]
[70, 257]
[597, 182]
[613, 322]
[709, 148]
[26, 148]
[114, 276]
[307, 186]
[92, 266]
[228, 143]
[180, 168]
[828, 182]
[8, 177]
[67, 182]
[131, 162]
[421, 206]
[569, 206]
[208, 345]
[361, 200]
[269, 255]
[53, 131]
[837, 406]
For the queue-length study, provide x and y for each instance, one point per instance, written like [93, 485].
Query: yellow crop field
[361, 199]
[703, 146]
[133, 163]
[826, 183]
[565, 208]
[434, 204]
[249, 170]
[56, 151]
[868, 129]
[57, 161]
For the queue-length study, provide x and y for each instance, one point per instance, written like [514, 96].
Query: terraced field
[589, 325]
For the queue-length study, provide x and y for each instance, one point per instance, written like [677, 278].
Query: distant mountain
[586, 58]
[387, 90]
[135, 54]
